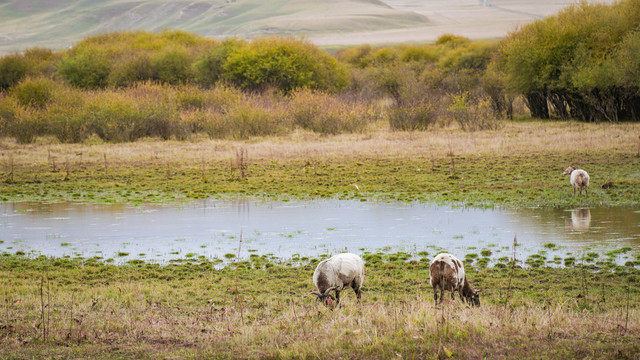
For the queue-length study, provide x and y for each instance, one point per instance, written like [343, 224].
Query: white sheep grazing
[578, 179]
[336, 273]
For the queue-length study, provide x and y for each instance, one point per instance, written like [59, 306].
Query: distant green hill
[57, 24]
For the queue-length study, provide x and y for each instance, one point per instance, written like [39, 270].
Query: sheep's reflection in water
[580, 220]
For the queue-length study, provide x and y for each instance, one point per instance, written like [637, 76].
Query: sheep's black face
[474, 299]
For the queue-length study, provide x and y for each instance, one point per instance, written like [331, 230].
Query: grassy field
[518, 165]
[259, 308]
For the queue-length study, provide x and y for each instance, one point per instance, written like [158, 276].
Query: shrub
[285, 64]
[474, 56]
[41, 61]
[87, 69]
[243, 122]
[172, 66]
[412, 117]
[111, 117]
[136, 68]
[326, 114]
[385, 56]
[29, 123]
[360, 56]
[191, 100]
[209, 67]
[13, 68]
[452, 40]
[34, 92]
[419, 54]
[199, 121]
[472, 115]
[8, 113]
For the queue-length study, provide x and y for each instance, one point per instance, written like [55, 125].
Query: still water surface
[212, 228]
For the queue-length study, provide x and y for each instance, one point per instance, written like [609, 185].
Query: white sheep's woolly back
[337, 269]
[575, 174]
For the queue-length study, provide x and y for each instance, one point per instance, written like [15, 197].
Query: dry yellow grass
[514, 138]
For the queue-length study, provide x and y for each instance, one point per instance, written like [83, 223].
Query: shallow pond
[213, 228]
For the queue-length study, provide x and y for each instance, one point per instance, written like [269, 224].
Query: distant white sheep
[578, 179]
[336, 273]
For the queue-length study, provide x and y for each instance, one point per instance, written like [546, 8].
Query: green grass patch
[204, 310]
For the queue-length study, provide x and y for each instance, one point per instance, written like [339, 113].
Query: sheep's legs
[435, 294]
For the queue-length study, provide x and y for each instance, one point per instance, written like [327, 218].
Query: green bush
[134, 69]
[209, 66]
[567, 65]
[88, 69]
[172, 66]
[452, 40]
[13, 68]
[35, 92]
[425, 54]
[8, 113]
[285, 64]
[29, 124]
[472, 114]
[41, 61]
[359, 57]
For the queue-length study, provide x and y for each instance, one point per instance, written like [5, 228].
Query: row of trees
[123, 59]
[583, 63]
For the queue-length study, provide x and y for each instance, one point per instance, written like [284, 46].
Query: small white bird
[356, 186]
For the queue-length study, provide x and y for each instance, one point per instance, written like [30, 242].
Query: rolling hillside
[58, 24]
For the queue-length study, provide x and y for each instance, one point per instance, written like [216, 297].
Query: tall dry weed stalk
[452, 167]
[11, 169]
[52, 160]
[204, 171]
[585, 289]
[67, 166]
[237, 300]
[513, 268]
[242, 163]
[626, 319]
[45, 308]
